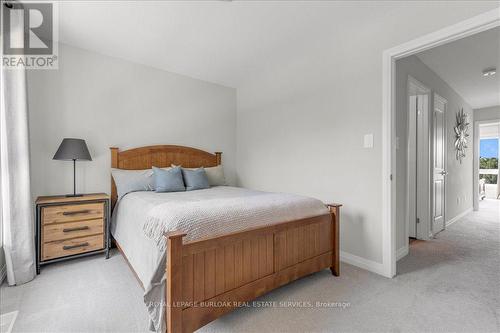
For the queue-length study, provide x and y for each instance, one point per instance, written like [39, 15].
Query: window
[488, 160]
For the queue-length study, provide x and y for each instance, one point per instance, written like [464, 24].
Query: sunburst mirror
[462, 134]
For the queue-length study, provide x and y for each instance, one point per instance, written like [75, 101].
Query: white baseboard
[402, 252]
[363, 263]
[3, 273]
[458, 217]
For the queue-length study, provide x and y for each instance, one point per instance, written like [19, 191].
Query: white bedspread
[223, 209]
[200, 214]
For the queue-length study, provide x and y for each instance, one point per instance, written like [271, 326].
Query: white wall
[459, 178]
[112, 102]
[301, 123]
[490, 113]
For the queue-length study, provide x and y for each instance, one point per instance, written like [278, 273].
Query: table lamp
[73, 150]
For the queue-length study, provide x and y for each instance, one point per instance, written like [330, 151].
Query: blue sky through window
[488, 148]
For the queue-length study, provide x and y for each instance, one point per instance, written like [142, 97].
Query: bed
[204, 253]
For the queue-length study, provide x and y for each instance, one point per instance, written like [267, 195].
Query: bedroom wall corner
[129, 105]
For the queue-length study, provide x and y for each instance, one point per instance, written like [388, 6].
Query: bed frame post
[114, 164]
[335, 213]
[218, 156]
[173, 288]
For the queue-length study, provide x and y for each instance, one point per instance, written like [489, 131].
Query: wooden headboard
[159, 156]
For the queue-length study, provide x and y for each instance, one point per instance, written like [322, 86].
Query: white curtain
[15, 199]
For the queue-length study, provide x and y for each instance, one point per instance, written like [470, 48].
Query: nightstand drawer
[61, 231]
[72, 246]
[68, 213]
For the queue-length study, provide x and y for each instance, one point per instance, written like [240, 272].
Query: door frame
[414, 169]
[476, 142]
[445, 161]
[474, 25]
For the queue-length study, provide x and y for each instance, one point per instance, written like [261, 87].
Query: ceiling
[229, 42]
[218, 41]
[461, 63]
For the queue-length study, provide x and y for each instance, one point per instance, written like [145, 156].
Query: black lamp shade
[72, 149]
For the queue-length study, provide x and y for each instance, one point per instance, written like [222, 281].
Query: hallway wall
[489, 113]
[459, 179]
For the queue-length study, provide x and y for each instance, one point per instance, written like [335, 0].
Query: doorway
[458, 200]
[417, 161]
[426, 180]
[486, 160]
[426, 175]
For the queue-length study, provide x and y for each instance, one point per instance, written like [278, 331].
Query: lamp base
[73, 195]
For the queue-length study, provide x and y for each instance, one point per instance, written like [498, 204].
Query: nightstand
[71, 227]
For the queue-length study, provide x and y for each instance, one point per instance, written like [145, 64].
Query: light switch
[368, 141]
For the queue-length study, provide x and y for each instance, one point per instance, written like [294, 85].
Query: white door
[439, 174]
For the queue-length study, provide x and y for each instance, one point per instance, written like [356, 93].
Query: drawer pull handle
[76, 229]
[77, 212]
[69, 247]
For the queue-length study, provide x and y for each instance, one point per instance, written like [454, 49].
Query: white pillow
[215, 175]
[127, 181]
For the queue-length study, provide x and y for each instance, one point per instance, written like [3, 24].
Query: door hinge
[390, 177]
[418, 220]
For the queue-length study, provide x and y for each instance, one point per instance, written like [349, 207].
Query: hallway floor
[448, 284]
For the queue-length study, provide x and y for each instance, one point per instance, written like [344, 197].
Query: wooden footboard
[210, 277]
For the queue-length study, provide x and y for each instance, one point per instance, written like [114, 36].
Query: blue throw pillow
[168, 180]
[195, 179]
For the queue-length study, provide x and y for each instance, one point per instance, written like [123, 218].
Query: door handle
[444, 173]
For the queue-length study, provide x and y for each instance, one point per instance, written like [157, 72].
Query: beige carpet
[448, 284]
